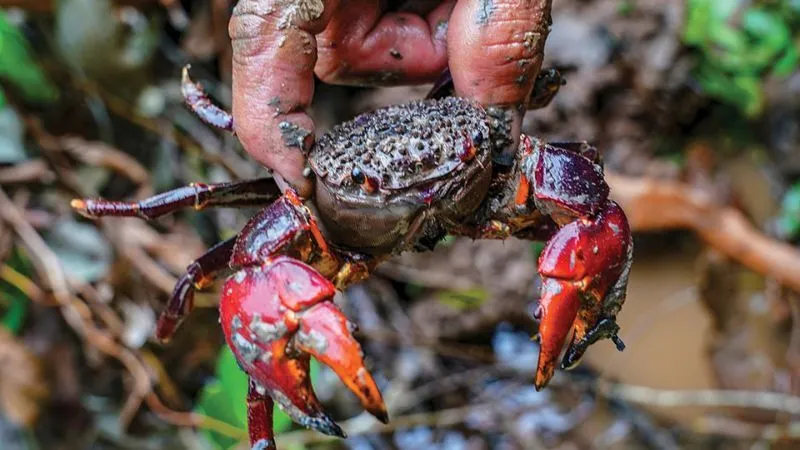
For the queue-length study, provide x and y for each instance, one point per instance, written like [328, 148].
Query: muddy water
[665, 329]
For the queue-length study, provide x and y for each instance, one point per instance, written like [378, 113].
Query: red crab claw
[585, 270]
[274, 316]
[325, 333]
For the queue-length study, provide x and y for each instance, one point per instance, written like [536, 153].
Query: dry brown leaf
[22, 383]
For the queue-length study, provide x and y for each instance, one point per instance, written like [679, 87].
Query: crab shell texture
[380, 172]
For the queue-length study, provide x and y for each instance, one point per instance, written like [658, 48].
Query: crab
[400, 178]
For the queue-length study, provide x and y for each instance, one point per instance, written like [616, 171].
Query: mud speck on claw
[266, 332]
[313, 339]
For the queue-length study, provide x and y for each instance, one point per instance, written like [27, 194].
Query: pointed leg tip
[77, 203]
[81, 207]
[165, 330]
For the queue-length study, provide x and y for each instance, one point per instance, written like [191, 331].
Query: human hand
[493, 49]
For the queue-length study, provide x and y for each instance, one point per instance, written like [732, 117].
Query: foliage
[18, 67]
[464, 299]
[13, 301]
[739, 45]
[788, 220]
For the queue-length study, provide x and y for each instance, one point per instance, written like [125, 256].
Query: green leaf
[737, 52]
[463, 299]
[18, 67]
[742, 91]
[15, 301]
[14, 316]
[626, 7]
[788, 220]
[537, 248]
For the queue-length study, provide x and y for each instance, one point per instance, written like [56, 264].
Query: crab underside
[396, 179]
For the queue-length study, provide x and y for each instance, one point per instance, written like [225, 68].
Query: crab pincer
[585, 265]
[278, 314]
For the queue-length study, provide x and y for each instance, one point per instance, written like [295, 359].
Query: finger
[361, 45]
[274, 53]
[495, 51]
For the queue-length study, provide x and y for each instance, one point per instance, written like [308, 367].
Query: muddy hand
[494, 50]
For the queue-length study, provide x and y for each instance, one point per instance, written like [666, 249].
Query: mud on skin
[293, 135]
[485, 11]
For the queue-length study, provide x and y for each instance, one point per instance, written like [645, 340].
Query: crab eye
[357, 175]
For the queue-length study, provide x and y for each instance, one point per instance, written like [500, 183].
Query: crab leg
[199, 103]
[238, 194]
[199, 275]
[259, 418]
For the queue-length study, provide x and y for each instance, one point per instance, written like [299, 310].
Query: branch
[718, 398]
[652, 205]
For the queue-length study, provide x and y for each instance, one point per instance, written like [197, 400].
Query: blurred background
[694, 104]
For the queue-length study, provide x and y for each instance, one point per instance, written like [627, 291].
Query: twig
[191, 419]
[771, 401]
[746, 430]
[46, 262]
[79, 317]
[132, 252]
[363, 424]
[427, 278]
[34, 170]
[455, 350]
[74, 311]
[236, 167]
[21, 282]
[661, 204]
[102, 155]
